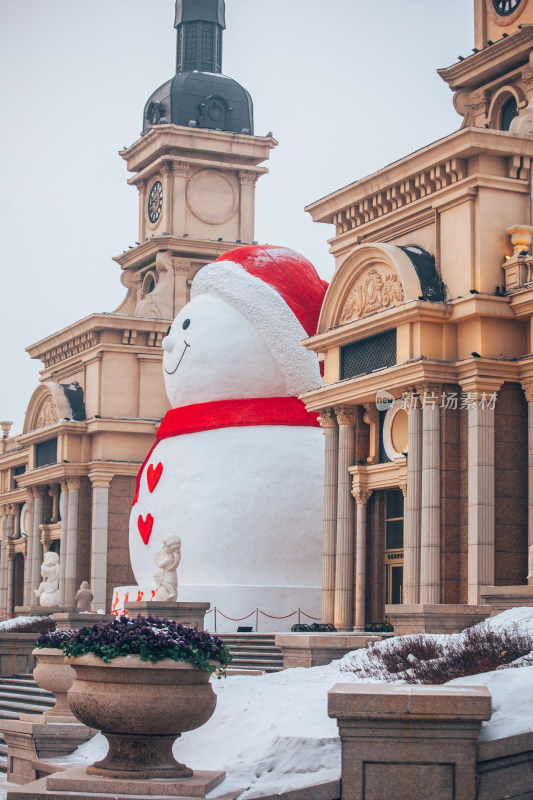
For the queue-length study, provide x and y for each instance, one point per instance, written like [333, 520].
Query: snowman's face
[212, 352]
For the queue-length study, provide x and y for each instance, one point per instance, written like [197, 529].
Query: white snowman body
[245, 501]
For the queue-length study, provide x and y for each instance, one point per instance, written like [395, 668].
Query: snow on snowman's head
[240, 336]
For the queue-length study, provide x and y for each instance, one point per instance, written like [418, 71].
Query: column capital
[527, 386]
[346, 415]
[141, 187]
[403, 486]
[248, 178]
[73, 483]
[101, 479]
[327, 418]
[35, 492]
[166, 168]
[362, 496]
[429, 394]
[182, 170]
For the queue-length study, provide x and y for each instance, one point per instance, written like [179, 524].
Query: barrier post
[215, 614]
[299, 616]
[257, 620]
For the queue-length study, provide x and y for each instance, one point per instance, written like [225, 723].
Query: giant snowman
[237, 467]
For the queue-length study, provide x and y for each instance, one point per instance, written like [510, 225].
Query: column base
[192, 614]
[437, 618]
[501, 598]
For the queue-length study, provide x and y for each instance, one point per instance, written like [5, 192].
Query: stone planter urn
[141, 708]
[52, 674]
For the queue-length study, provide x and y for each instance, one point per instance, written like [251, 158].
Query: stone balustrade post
[328, 421]
[71, 555]
[361, 498]
[481, 491]
[430, 504]
[100, 483]
[344, 548]
[411, 584]
[408, 742]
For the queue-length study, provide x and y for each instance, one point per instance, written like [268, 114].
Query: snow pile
[13, 622]
[272, 733]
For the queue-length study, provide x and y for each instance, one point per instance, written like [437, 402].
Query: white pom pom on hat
[280, 293]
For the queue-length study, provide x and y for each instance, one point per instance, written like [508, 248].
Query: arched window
[508, 113]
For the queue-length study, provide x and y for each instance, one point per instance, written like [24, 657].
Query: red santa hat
[280, 293]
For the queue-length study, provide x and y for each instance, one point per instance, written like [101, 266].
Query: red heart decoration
[145, 527]
[152, 476]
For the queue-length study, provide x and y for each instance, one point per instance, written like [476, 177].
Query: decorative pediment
[47, 413]
[47, 405]
[378, 287]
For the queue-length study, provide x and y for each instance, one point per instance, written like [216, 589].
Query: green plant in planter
[151, 638]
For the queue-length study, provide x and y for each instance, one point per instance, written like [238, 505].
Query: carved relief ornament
[47, 414]
[372, 292]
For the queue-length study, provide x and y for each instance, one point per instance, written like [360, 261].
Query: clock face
[155, 202]
[504, 8]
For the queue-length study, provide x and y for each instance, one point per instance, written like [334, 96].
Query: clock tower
[195, 168]
[495, 84]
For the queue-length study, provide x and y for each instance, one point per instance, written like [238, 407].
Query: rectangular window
[46, 453]
[367, 355]
[394, 515]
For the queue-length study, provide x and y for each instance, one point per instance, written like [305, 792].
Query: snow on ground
[272, 734]
[6, 624]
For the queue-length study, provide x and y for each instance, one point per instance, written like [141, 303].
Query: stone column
[63, 513]
[9, 592]
[3, 558]
[37, 550]
[344, 546]
[168, 197]
[430, 506]
[141, 187]
[71, 555]
[361, 498]
[528, 391]
[480, 497]
[328, 421]
[247, 181]
[100, 510]
[411, 584]
[181, 174]
[28, 590]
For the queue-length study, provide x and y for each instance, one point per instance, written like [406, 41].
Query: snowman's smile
[171, 372]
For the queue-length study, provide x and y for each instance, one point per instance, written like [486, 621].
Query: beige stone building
[67, 481]
[428, 496]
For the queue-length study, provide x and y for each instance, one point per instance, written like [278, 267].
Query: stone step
[254, 651]
[20, 694]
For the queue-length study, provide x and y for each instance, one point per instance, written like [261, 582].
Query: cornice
[157, 166]
[52, 473]
[473, 374]
[494, 60]
[446, 153]
[184, 247]
[382, 320]
[369, 478]
[95, 323]
[63, 427]
[521, 302]
[174, 139]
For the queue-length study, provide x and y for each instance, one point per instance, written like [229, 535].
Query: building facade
[66, 482]
[426, 339]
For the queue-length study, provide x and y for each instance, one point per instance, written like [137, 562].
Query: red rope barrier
[272, 617]
[235, 619]
[317, 619]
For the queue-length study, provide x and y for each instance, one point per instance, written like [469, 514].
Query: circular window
[395, 431]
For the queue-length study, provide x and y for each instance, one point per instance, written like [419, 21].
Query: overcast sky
[346, 86]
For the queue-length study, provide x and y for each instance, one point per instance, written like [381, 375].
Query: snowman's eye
[186, 324]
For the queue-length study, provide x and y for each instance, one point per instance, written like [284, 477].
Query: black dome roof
[199, 96]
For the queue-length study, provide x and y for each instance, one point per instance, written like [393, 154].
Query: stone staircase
[20, 694]
[254, 653]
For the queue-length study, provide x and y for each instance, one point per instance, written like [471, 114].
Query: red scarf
[230, 414]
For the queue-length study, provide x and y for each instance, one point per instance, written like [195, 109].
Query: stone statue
[48, 591]
[84, 597]
[523, 124]
[166, 578]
